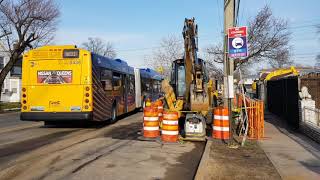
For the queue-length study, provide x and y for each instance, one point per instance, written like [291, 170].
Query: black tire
[113, 114]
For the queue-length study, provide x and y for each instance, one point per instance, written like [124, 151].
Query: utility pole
[229, 21]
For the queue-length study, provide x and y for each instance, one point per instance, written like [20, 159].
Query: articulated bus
[62, 83]
[150, 85]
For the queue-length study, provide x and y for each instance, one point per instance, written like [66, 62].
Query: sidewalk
[294, 155]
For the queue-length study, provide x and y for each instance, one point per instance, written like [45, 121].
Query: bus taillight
[87, 98]
[24, 98]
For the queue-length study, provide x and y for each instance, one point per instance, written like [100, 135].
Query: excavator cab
[178, 78]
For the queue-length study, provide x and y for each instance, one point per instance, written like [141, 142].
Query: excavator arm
[281, 72]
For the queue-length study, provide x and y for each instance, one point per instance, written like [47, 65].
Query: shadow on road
[84, 124]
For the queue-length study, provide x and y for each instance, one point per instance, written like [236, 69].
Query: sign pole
[229, 21]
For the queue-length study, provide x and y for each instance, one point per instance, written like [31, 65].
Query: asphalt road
[11, 119]
[30, 150]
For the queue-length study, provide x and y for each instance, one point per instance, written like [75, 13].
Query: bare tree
[170, 49]
[25, 24]
[214, 70]
[268, 40]
[98, 46]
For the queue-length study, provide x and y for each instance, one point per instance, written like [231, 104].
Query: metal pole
[229, 21]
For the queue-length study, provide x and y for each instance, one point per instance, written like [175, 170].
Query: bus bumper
[55, 116]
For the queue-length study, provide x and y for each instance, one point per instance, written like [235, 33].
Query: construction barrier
[255, 110]
[220, 126]
[170, 127]
[159, 105]
[148, 102]
[150, 122]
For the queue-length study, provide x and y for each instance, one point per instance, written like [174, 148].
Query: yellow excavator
[282, 72]
[189, 91]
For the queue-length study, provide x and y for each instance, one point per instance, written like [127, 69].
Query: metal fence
[311, 117]
[310, 123]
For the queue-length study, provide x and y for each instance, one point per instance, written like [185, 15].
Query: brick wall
[312, 82]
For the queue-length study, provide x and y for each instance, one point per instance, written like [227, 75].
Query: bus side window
[106, 79]
[147, 86]
[116, 81]
[144, 84]
[155, 86]
[131, 85]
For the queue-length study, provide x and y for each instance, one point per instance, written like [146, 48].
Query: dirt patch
[248, 162]
[188, 164]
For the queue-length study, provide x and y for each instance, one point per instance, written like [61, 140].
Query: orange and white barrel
[170, 127]
[160, 110]
[220, 126]
[150, 122]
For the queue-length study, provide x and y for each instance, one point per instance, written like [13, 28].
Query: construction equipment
[188, 91]
[281, 72]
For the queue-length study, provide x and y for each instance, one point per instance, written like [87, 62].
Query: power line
[305, 21]
[304, 26]
[307, 53]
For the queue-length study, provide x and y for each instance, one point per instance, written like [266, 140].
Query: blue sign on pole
[237, 42]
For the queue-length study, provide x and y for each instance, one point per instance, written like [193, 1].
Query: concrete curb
[202, 171]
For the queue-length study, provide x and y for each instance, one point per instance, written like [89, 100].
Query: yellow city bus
[67, 83]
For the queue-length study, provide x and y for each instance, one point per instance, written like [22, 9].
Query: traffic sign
[237, 42]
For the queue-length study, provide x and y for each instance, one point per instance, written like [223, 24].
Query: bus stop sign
[237, 42]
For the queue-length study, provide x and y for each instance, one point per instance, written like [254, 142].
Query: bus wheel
[114, 114]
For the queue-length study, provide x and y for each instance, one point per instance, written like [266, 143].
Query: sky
[136, 27]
